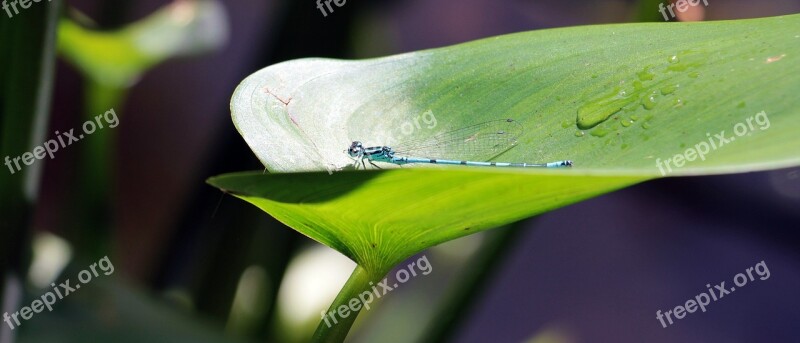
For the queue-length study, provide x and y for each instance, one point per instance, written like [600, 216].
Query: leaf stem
[337, 321]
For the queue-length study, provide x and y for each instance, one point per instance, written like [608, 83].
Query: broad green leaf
[614, 99]
[377, 218]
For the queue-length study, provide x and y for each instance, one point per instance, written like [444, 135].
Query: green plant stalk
[27, 63]
[91, 223]
[97, 154]
[358, 282]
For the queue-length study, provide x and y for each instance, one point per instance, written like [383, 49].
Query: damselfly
[469, 146]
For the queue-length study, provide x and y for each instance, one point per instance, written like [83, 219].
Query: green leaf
[378, 218]
[112, 62]
[118, 58]
[707, 77]
[621, 101]
[638, 92]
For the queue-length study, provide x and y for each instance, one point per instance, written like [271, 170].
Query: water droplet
[600, 109]
[626, 123]
[649, 101]
[694, 74]
[622, 93]
[579, 133]
[741, 105]
[674, 59]
[677, 103]
[669, 89]
[646, 125]
[624, 146]
[565, 124]
[634, 117]
[600, 132]
[645, 74]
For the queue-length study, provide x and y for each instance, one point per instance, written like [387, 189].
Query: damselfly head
[356, 149]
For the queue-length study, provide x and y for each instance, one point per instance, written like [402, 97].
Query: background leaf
[118, 58]
[113, 311]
